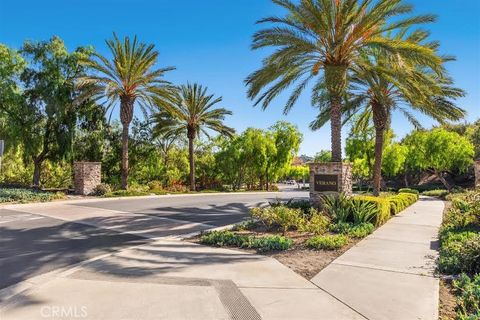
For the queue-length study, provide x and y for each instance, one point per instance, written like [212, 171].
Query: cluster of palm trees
[131, 79]
[358, 57]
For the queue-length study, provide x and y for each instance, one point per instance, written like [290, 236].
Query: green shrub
[341, 227]
[459, 252]
[440, 193]
[329, 242]
[339, 207]
[382, 206]
[361, 230]
[355, 231]
[281, 216]
[155, 185]
[225, 238]
[269, 243]
[363, 212]
[244, 225]
[102, 189]
[408, 190]
[222, 238]
[28, 195]
[317, 223]
[303, 205]
[468, 293]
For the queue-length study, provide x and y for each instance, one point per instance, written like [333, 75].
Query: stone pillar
[87, 175]
[329, 178]
[477, 173]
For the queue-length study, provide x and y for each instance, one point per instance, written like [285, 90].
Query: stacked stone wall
[87, 175]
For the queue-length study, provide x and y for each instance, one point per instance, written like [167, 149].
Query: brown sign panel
[325, 182]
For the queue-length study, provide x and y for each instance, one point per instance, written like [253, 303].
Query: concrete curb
[89, 200]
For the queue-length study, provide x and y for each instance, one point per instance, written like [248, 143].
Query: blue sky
[209, 42]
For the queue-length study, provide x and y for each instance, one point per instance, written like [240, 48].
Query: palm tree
[321, 40]
[131, 79]
[192, 113]
[381, 84]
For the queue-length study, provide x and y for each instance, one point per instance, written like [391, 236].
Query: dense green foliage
[468, 292]
[440, 193]
[230, 239]
[460, 251]
[460, 235]
[439, 151]
[366, 209]
[328, 242]
[26, 195]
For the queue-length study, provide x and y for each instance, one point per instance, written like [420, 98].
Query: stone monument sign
[329, 178]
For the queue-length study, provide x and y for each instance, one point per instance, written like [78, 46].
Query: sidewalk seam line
[339, 300]
[378, 269]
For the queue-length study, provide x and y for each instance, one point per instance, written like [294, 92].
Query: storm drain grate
[236, 304]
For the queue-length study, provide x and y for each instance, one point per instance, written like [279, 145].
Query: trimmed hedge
[401, 201]
[440, 193]
[382, 206]
[408, 190]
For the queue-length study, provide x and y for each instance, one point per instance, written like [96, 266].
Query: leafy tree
[131, 79]
[393, 159]
[439, 151]
[469, 130]
[361, 145]
[286, 139]
[43, 108]
[323, 156]
[321, 40]
[298, 173]
[90, 136]
[193, 113]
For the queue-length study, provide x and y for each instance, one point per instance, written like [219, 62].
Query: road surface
[32, 243]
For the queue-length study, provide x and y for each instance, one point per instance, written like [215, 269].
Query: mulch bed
[446, 309]
[302, 260]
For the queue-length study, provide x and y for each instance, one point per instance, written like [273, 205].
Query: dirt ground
[307, 262]
[446, 310]
[302, 260]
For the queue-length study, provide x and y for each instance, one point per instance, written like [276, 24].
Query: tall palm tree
[319, 40]
[131, 79]
[192, 113]
[381, 84]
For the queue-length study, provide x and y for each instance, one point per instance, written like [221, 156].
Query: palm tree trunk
[124, 169]
[126, 115]
[380, 120]
[192, 162]
[377, 169]
[336, 129]
[336, 81]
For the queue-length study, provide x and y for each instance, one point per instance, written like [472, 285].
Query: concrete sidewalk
[176, 280]
[390, 274]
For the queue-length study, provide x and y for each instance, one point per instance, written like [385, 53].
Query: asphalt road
[212, 209]
[32, 244]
